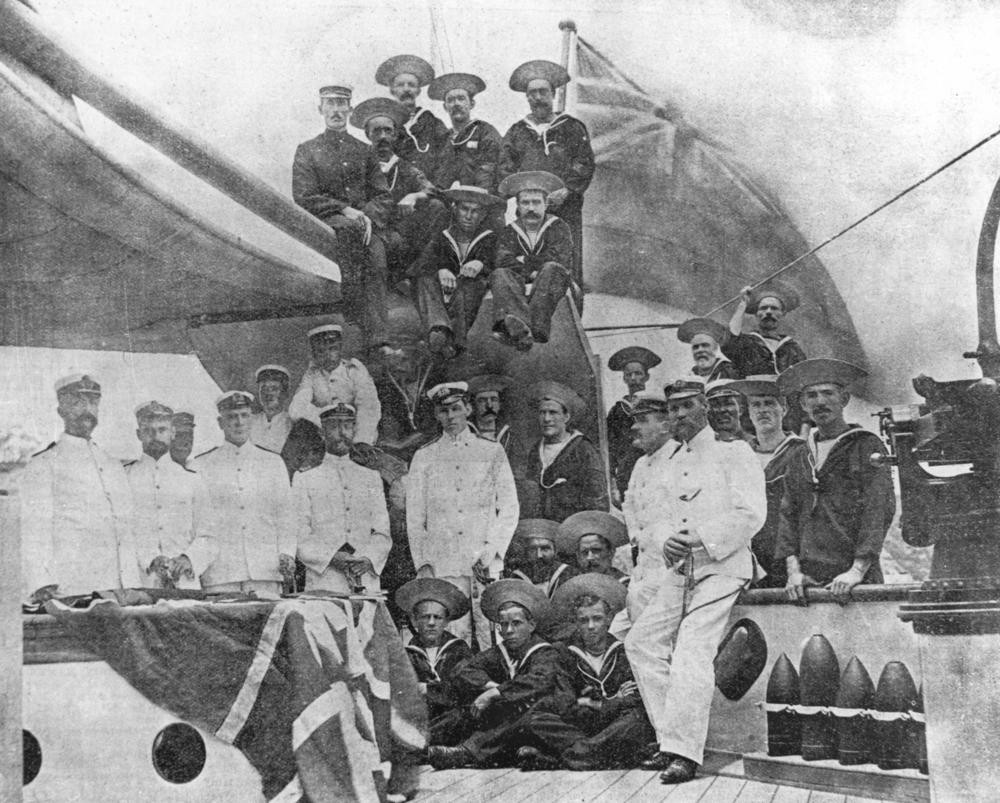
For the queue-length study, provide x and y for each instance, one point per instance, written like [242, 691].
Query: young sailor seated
[537, 250]
[606, 726]
[533, 557]
[504, 682]
[431, 604]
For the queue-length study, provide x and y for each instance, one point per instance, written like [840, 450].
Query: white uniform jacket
[350, 383]
[251, 512]
[713, 489]
[171, 514]
[76, 521]
[271, 434]
[461, 505]
[340, 503]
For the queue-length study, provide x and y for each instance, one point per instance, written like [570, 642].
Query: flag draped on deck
[317, 693]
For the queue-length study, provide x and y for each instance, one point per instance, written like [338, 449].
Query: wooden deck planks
[627, 786]
[790, 794]
[826, 797]
[757, 792]
[463, 782]
[723, 790]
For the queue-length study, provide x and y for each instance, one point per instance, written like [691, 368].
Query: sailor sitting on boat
[504, 682]
[435, 653]
[706, 337]
[607, 725]
[76, 507]
[532, 556]
[422, 134]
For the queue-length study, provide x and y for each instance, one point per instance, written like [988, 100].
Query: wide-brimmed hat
[602, 586]
[590, 522]
[540, 180]
[379, 107]
[499, 593]
[788, 297]
[536, 528]
[410, 594]
[554, 73]
[471, 194]
[405, 63]
[443, 84]
[567, 397]
[757, 385]
[818, 371]
[741, 658]
[687, 331]
[487, 382]
[646, 358]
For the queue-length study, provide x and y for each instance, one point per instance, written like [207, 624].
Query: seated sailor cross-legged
[171, 507]
[343, 522]
[435, 653]
[504, 682]
[606, 726]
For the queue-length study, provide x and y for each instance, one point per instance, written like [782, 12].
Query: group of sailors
[553, 623]
[420, 208]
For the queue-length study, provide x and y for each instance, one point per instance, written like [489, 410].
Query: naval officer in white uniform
[270, 427]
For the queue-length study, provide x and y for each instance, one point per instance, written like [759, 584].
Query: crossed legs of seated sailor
[606, 726]
[503, 683]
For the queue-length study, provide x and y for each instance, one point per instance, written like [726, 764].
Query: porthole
[178, 753]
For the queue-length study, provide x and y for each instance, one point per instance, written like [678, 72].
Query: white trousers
[671, 647]
[475, 620]
[640, 593]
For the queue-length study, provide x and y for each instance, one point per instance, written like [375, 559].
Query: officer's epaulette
[205, 453]
[43, 451]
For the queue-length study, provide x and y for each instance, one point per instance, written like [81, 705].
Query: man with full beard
[705, 337]
[537, 562]
[76, 507]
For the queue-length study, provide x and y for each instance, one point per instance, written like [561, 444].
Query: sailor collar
[459, 138]
[790, 438]
[512, 666]
[812, 445]
[408, 128]
[523, 235]
[608, 662]
[472, 243]
[419, 649]
[782, 339]
[548, 586]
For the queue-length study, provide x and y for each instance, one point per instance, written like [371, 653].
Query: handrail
[863, 593]
[25, 36]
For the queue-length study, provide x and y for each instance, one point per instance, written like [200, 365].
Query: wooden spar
[26, 37]
[11, 646]
[568, 28]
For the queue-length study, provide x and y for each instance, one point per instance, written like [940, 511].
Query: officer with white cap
[76, 507]
[171, 506]
[331, 378]
[270, 427]
[461, 506]
[557, 143]
[250, 498]
[343, 523]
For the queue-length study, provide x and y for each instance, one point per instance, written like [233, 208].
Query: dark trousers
[458, 314]
[407, 236]
[363, 278]
[571, 211]
[586, 739]
[536, 311]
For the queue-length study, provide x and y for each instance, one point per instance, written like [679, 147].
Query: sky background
[835, 105]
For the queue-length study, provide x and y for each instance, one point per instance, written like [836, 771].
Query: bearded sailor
[533, 556]
[706, 338]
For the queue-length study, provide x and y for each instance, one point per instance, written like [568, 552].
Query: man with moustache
[605, 727]
[592, 537]
[452, 273]
[705, 337]
[712, 502]
[533, 552]
[436, 653]
[635, 363]
[343, 523]
[556, 143]
[251, 512]
[182, 444]
[564, 473]
[725, 411]
[422, 134]
[337, 178]
[271, 426]
[774, 447]
[837, 505]
[417, 215]
[461, 507]
[76, 507]
[488, 412]
[171, 507]
[535, 249]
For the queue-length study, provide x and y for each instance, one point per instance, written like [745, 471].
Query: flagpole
[568, 28]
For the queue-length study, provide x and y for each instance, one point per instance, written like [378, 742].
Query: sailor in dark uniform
[635, 363]
[435, 653]
[452, 273]
[337, 178]
[537, 250]
[774, 447]
[556, 143]
[504, 682]
[564, 472]
[471, 155]
[606, 726]
[488, 410]
[407, 421]
[706, 336]
[422, 135]
[590, 538]
[532, 556]
[416, 214]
